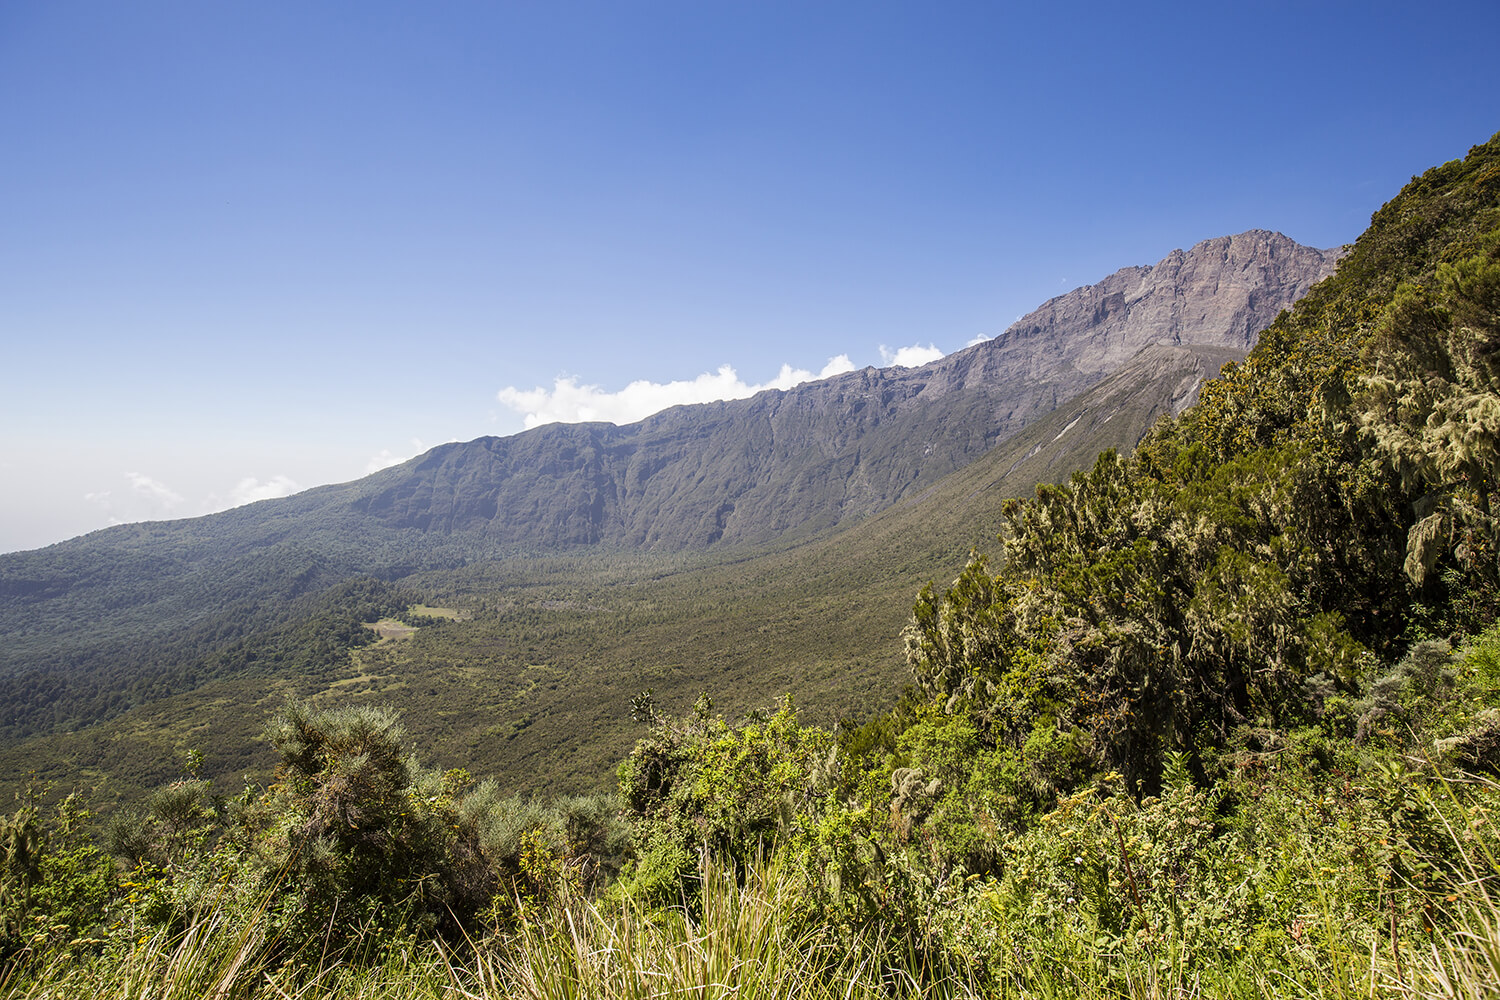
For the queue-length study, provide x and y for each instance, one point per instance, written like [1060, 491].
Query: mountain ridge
[804, 460]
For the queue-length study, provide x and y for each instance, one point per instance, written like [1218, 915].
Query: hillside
[774, 469]
[558, 645]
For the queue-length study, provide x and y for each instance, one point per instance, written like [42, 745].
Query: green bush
[55, 884]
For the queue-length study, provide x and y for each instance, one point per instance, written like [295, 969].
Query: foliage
[703, 784]
[54, 882]
[290, 609]
[356, 842]
[1431, 407]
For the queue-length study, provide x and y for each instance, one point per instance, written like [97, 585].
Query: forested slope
[1326, 502]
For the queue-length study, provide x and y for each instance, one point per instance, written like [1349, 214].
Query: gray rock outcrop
[1220, 293]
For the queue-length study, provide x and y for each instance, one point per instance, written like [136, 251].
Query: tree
[354, 831]
[1432, 410]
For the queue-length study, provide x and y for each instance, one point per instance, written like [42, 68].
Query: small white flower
[1078, 861]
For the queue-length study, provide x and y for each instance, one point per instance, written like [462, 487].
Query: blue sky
[247, 248]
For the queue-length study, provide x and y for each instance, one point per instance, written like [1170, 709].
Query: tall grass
[214, 958]
[737, 940]
[1465, 963]
[734, 949]
[740, 937]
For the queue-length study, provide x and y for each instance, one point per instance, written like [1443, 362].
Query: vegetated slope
[1251, 565]
[536, 689]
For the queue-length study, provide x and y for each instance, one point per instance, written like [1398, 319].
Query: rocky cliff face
[790, 463]
[1221, 293]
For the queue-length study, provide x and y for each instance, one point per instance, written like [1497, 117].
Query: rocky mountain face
[787, 464]
[1220, 293]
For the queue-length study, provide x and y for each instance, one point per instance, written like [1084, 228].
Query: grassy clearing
[452, 614]
[390, 628]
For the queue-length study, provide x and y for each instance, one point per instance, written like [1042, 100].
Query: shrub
[55, 884]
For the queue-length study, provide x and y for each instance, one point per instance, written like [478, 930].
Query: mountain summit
[1221, 293]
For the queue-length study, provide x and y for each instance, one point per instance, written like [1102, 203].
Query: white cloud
[387, 458]
[153, 490]
[384, 460]
[146, 499]
[250, 489]
[914, 356]
[105, 500]
[149, 499]
[569, 402]
[979, 339]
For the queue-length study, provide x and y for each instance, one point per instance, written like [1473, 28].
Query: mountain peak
[1221, 292]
